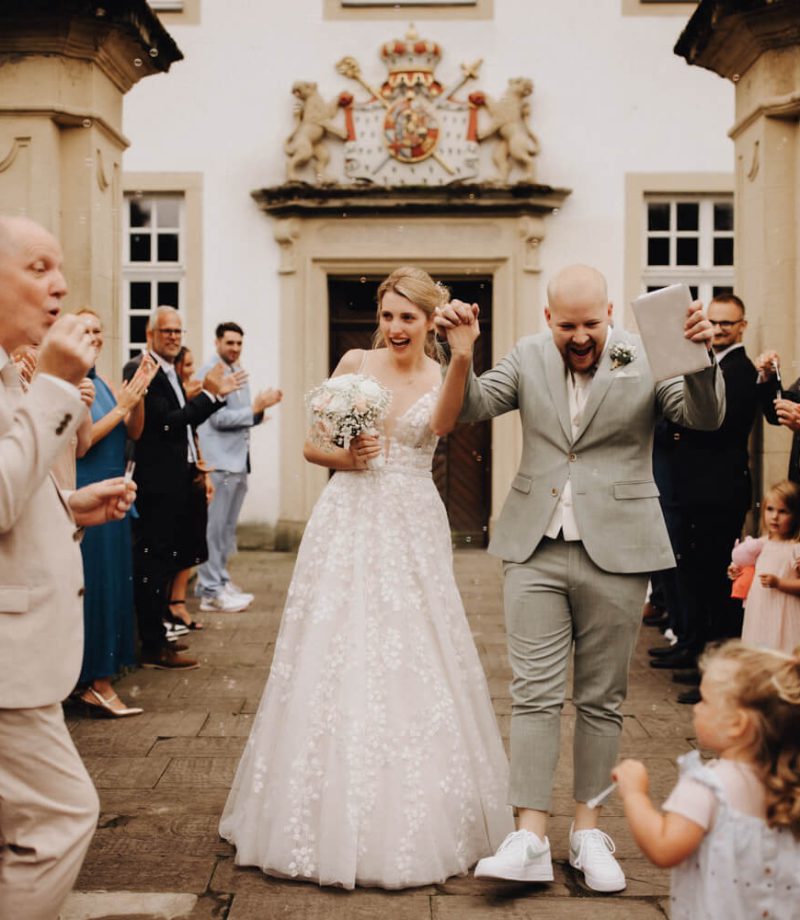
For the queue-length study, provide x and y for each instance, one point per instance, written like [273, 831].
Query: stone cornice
[295, 199]
[728, 36]
[123, 37]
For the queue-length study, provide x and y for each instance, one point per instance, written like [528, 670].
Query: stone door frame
[315, 244]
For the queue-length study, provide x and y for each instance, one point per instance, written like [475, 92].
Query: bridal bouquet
[341, 408]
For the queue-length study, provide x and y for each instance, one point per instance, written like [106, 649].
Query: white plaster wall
[610, 97]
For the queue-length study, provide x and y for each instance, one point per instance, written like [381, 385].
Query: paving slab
[163, 778]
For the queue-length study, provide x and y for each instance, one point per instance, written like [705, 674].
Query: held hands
[449, 320]
[697, 328]
[363, 448]
[67, 351]
[630, 776]
[101, 502]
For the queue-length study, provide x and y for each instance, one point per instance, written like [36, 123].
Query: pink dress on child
[772, 617]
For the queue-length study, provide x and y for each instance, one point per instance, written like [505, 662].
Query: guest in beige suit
[48, 805]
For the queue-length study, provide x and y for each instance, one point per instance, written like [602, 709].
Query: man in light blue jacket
[225, 445]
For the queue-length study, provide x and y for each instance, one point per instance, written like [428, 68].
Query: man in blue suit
[225, 444]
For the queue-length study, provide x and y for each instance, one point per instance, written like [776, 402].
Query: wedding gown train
[374, 758]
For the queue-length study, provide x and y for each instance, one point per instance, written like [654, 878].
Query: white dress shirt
[578, 386]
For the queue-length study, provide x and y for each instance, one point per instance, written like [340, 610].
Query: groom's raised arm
[494, 393]
[694, 400]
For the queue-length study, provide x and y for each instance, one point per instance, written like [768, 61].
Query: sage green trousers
[558, 601]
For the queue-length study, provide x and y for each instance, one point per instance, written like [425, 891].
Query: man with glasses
[713, 492]
[166, 475]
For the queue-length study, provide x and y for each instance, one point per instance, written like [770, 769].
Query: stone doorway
[462, 464]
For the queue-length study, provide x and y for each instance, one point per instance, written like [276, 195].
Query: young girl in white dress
[731, 827]
[375, 757]
[772, 608]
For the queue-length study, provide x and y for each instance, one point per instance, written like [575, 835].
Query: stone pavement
[163, 778]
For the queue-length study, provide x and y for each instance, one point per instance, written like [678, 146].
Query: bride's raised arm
[361, 448]
[460, 339]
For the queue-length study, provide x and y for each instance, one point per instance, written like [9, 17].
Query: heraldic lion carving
[516, 142]
[307, 141]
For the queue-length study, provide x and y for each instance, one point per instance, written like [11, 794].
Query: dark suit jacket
[767, 392]
[161, 451]
[711, 467]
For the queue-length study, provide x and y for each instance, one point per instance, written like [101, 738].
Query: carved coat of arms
[411, 120]
[411, 130]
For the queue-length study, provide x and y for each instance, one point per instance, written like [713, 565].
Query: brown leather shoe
[169, 660]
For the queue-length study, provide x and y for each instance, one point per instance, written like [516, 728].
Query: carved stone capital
[531, 232]
[286, 232]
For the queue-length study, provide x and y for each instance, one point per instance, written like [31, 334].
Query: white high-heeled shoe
[93, 698]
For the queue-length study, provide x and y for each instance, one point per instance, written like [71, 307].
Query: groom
[579, 533]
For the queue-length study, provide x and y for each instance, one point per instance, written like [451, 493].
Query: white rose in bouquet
[341, 408]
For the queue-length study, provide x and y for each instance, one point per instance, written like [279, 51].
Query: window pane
[167, 247]
[140, 295]
[688, 215]
[658, 216]
[167, 213]
[133, 352]
[693, 291]
[658, 251]
[687, 251]
[724, 289]
[723, 250]
[137, 326]
[168, 294]
[140, 247]
[723, 216]
[140, 212]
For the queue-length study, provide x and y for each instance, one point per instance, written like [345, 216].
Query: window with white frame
[167, 6]
[689, 238]
[154, 269]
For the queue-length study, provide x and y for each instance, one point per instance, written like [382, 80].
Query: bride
[375, 758]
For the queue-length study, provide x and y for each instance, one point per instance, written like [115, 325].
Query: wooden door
[462, 464]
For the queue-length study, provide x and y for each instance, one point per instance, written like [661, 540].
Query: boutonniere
[621, 354]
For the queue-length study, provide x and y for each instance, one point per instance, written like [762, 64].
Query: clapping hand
[697, 328]
[26, 359]
[265, 399]
[134, 389]
[218, 383]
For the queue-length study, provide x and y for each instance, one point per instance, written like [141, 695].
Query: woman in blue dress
[107, 561]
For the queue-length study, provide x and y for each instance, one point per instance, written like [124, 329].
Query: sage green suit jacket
[614, 496]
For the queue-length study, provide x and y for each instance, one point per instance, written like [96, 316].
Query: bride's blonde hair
[419, 288]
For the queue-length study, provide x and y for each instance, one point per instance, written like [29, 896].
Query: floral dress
[375, 757]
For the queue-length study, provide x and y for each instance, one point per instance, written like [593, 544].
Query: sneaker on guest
[173, 630]
[230, 588]
[521, 857]
[591, 852]
[225, 603]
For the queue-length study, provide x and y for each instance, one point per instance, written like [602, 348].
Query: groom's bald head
[578, 313]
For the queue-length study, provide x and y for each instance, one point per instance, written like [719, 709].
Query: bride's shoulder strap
[363, 366]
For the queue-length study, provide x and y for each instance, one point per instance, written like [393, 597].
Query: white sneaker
[521, 857]
[225, 603]
[591, 853]
[230, 588]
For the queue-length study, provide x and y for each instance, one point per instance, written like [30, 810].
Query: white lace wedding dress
[375, 757]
